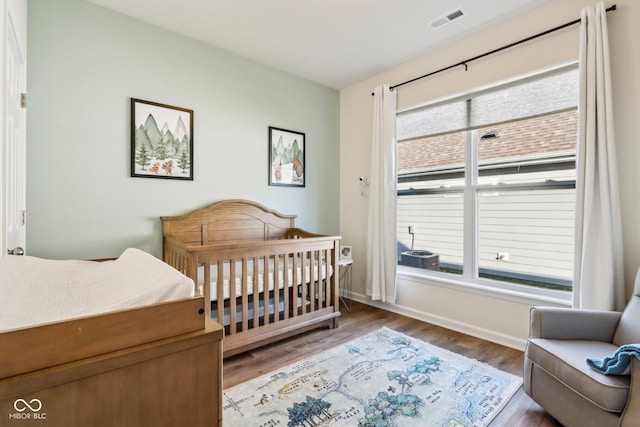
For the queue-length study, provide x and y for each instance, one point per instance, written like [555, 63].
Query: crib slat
[318, 268]
[232, 297]
[303, 270]
[265, 289]
[312, 281]
[325, 281]
[327, 274]
[192, 271]
[276, 287]
[287, 286]
[220, 292]
[255, 298]
[245, 297]
[206, 287]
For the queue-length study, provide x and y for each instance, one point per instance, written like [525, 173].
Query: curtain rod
[465, 62]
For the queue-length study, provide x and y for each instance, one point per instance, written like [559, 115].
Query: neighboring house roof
[539, 136]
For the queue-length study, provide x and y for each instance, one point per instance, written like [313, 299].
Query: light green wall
[86, 62]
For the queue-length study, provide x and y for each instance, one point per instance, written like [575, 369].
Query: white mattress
[261, 277]
[34, 290]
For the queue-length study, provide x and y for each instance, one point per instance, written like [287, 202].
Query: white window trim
[469, 281]
[503, 290]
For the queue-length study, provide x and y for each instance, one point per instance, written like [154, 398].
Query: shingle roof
[524, 138]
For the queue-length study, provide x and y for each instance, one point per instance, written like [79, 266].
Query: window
[486, 183]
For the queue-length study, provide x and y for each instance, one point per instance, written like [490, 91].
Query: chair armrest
[631, 414]
[572, 324]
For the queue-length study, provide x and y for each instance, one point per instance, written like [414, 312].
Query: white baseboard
[465, 328]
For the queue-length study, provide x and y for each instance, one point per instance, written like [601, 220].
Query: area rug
[382, 379]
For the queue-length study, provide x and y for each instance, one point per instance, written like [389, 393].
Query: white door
[14, 138]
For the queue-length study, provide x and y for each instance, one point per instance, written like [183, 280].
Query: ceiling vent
[439, 22]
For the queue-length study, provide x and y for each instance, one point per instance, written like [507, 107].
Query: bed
[120, 342]
[264, 278]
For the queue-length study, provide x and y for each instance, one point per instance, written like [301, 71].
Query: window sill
[517, 293]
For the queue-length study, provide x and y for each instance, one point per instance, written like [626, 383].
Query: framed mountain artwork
[161, 141]
[286, 158]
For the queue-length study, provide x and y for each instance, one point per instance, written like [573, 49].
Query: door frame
[13, 18]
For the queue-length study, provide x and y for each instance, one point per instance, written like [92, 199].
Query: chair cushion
[628, 331]
[566, 361]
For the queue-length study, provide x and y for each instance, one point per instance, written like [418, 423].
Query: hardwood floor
[521, 411]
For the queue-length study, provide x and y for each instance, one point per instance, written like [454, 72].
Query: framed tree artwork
[161, 141]
[287, 165]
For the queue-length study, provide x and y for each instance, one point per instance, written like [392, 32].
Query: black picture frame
[287, 163]
[161, 141]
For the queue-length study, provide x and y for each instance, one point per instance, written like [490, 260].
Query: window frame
[470, 280]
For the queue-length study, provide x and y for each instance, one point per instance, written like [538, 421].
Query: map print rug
[382, 379]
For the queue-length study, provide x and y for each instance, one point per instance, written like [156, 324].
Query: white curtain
[598, 274]
[381, 243]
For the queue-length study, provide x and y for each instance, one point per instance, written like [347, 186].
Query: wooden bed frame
[236, 234]
[154, 365]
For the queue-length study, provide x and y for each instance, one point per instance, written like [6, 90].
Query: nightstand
[345, 281]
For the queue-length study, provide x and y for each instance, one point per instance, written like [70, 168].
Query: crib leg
[333, 324]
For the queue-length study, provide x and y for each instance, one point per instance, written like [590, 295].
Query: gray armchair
[558, 378]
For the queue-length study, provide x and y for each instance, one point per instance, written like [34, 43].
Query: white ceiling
[333, 42]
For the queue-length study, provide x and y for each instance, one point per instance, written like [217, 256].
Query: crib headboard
[228, 220]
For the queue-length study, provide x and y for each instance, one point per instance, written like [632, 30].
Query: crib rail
[269, 286]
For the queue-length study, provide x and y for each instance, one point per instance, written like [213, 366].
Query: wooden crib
[266, 279]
